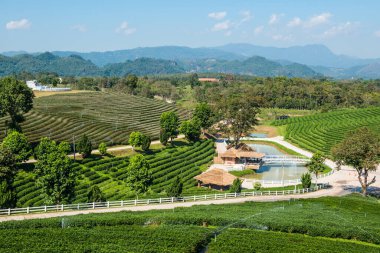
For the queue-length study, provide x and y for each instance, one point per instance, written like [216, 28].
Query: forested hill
[74, 65]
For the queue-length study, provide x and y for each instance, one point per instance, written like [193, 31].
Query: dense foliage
[15, 100]
[109, 174]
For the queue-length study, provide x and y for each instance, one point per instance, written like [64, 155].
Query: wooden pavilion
[243, 154]
[215, 178]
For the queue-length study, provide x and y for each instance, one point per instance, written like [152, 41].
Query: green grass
[108, 117]
[109, 174]
[240, 173]
[320, 132]
[328, 224]
[244, 240]
[106, 239]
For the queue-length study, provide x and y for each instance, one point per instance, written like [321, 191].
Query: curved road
[343, 182]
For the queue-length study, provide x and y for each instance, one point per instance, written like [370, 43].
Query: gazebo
[243, 154]
[215, 177]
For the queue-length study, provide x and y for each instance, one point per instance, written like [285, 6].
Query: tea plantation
[328, 224]
[109, 174]
[322, 131]
[108, 117]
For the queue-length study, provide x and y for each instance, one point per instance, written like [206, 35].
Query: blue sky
[346, 26]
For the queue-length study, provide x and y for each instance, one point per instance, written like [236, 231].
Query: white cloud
[18, 24]
[273, 19]
[296, 21]
[222, 26]
[344, 28]
[246, 16]
[124, 28]
[79, 28]
[258, 30]
[217, 15]
[280, 37]
[320, 19]
[377, 33]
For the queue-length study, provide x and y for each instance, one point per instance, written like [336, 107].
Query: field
[108, 117]
[109, 174]
[329, 224]
[320, 132]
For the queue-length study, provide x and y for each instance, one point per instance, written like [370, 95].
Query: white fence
[284, 182]
[137, 202]
[285, 159]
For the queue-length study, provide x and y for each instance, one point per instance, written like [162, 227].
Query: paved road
[342, 182]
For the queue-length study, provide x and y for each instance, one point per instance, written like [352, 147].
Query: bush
[102, 148]
[236, 186]
[306, 180]
[84, 146]
[257, 186]
[145, 142]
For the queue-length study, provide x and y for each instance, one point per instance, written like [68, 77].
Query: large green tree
[169, 123]
[316, 164]
[135, 139]
[175, 188]
[54, 173]
[18, 144]
[7, 173]
[191, 129]
[16, 98]
[238, 115]
[84, 146]
[361, 150]
[139, 175]
[205, 114]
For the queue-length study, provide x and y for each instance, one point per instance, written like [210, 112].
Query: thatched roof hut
[216, 177]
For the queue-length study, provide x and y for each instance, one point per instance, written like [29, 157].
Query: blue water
[258, 135]
[276, 171]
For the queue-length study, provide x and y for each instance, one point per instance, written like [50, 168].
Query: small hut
[243, 154]
[215, 178]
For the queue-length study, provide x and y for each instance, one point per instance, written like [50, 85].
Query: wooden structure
[243, 154]
[216, 178]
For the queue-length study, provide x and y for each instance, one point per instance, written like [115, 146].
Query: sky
[348, 27]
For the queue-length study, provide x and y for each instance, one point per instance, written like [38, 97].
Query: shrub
[236, 186]
[306, 180]
[257, 186]
[102, 148]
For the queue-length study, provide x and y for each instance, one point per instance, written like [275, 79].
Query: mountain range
[302, 61]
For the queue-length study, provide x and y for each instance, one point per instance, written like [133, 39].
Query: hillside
[108, 117]
[109, 174]
[347, 224]
[74, 65]
[320, 132]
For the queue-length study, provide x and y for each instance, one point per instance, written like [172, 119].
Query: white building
[34, 85]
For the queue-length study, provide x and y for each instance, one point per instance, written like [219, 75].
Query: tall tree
[18, 144]
[139, 175]
[54, 173]
[7, 173]
[191, 129]
[315, 165]
[135, 139]
[16, 98]
[205, 114]
[84, 146]
[361, 150]
[238, 116]
[175, 188]
[169, 123]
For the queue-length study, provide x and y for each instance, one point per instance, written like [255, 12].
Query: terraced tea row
[109, 174]
[322, 131]
[108, 117]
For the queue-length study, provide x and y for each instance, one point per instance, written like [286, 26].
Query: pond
[258, 135]
[287, 171]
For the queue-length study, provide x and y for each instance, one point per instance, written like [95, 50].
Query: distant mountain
[315, 55]
[255, 66]
[368, 71]
[143, 66]
[74, 65]
[174, 53]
